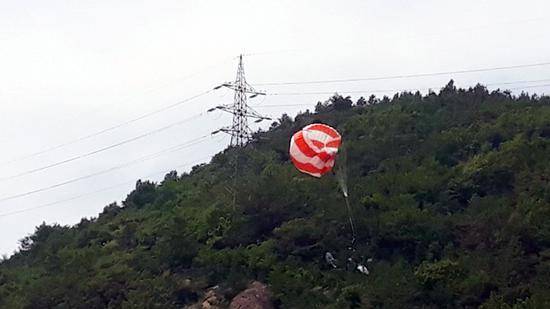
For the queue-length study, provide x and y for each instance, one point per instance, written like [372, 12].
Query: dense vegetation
[450, 193]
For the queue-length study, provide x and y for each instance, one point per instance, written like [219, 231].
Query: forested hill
[450, 195]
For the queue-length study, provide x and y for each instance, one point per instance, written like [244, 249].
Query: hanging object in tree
[363, 269]
[313, 149]
[330, 260]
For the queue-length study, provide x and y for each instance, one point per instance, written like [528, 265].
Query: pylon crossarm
[234, 87]
[227, 109]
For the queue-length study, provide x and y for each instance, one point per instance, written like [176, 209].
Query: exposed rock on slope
[256, 296]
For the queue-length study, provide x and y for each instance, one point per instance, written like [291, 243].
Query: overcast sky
[69, 69]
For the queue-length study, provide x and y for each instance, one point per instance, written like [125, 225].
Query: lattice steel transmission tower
[240, 131]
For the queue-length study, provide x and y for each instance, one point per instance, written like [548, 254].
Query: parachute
[313, 149]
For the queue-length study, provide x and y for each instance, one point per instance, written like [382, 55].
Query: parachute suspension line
[341, 176]
[352, 225]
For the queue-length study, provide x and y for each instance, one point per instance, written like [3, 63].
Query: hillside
[450, 195]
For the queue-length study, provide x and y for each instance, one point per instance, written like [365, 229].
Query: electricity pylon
[239, 130]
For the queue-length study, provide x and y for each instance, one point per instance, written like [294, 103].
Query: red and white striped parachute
[313, 149]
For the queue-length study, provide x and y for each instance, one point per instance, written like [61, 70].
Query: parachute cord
[352, 225]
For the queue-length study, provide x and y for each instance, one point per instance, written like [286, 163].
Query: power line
[162, 86]
[125, 123]
[95, 192]
[280, 105]
[403, 76]
[391, 90]
[139, 160]
[91, 153]
[530, 86]
[519, 82]
[399, 90]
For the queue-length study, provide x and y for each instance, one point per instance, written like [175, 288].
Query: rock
[256, 296]
[211, 300]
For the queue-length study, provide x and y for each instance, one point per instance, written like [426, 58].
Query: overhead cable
[11, 213]
[91, 153]
[403, 76]
[108, 129]
[139, 160]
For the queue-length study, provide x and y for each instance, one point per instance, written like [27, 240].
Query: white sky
[72, 68]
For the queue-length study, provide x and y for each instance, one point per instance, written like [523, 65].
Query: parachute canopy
[313, 149]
